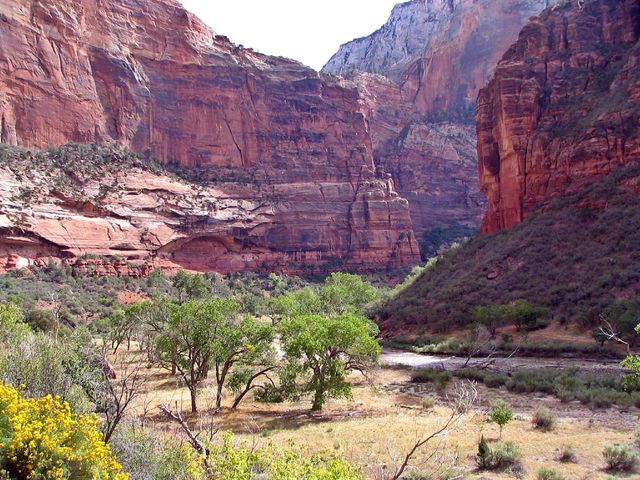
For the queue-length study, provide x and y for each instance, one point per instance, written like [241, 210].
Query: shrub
[440, 378]
[543, 419]
[148, 456]
[236, 462]
[485, 455]
[506, 456]
[546, 473]
[41, 438]
[567, 455]
[427, 403]
[501, 414]
[621, 458]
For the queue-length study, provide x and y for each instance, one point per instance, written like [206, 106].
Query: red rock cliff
[419, 76]
[563, 108]
[270, 132]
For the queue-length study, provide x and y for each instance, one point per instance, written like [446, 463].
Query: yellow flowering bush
[42, 439]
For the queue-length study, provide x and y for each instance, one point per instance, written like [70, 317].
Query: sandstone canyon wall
[418, 77]
[563, 109]
[285, 151]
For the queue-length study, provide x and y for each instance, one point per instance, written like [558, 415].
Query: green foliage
[503, 457]
[543, 419]
[195, 333]
[501, 414]
[346, 292]
[190, 286]
[235, 462]
[621, 458]
[146, 455]
[484, 457]
[567, 455]
[548, 473]
[573, 265]
[12, 323]
[319, 351]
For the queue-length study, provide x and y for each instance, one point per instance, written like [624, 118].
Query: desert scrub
[547, 473]
[42, 438]
[621, 458]
[235, 462]
[543, 419]
[567, 455]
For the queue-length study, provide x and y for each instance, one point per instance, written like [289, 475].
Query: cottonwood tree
[186, 341]
[320, 351]
[200, 337]
[242, 351]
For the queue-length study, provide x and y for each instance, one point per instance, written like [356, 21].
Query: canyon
[563, 109]
[281, 153]
[418, 78]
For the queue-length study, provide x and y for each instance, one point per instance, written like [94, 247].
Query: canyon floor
[385, 417]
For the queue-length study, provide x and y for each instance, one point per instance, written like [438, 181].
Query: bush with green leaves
[146, 455]
[236, 462]
[543, 419]
[501, 413]
[548, 473]
[567, 455]
[621, 457]
[503, 456]
[439, 377]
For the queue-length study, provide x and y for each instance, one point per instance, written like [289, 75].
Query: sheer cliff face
[419, 76]
[151, 77]
[562, 110]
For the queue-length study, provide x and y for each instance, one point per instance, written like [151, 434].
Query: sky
[308, 31]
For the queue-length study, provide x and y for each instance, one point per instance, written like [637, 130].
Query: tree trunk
[318, 398]
[194, 406]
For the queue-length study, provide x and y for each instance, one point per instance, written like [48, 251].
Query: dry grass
[382, 421]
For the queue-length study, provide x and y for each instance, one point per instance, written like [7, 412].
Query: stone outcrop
[281, 154]
[562, 110]
[418, 77]
[83, 201]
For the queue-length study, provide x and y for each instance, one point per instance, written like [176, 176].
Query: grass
[375, 426]
[569, 258]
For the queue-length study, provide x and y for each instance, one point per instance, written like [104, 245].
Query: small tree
[345, 292]
[248, 346]
[187, 341]
[320, 351]
[501, 414]
[491, 316]
[190, 286]
[526, 316]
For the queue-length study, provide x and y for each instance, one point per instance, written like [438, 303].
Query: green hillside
[576, 257]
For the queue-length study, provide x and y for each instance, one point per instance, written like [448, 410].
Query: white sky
[309, 31]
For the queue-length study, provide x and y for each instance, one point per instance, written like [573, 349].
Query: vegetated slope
[563, 108]
[576, 257]
[64, 203]
[418, 77]
[561, 114]
[288, 145]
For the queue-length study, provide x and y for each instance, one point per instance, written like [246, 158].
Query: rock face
[286, 151]
[86, 199]
[562, 110]
[419, 76]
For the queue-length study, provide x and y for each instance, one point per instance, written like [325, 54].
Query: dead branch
[465, 397]
[193, 438]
